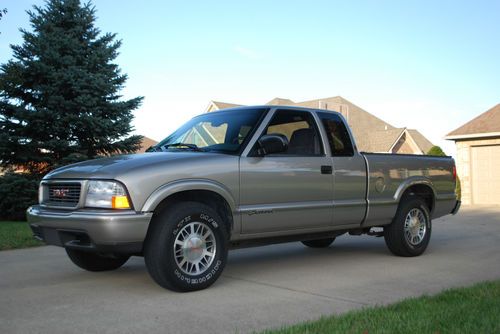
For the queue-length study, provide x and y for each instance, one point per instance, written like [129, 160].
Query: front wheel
[410, 231]
[96, 262]
[186, 247]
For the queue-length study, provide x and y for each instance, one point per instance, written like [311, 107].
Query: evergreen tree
[59, 96]
[2, 13]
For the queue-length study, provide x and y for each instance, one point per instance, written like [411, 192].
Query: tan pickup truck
[235, 178]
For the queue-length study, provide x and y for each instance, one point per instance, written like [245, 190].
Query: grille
[63, 194]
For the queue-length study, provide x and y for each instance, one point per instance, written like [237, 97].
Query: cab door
[349, 172]
[292, 190]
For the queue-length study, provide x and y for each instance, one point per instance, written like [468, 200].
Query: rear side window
[338, 136]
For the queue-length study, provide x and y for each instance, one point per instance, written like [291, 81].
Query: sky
[429, 65]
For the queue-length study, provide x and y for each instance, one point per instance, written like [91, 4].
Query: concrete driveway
[41, 291]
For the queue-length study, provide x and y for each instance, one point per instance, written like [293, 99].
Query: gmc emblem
[60, 193]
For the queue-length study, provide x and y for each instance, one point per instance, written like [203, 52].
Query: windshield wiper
[153, 148]
[193, 147]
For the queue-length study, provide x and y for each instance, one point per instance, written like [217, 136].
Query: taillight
[454, 173]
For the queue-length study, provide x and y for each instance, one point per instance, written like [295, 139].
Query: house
[371, 133]
[145, 144]
[478, 157]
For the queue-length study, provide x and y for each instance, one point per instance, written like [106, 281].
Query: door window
[300, 129]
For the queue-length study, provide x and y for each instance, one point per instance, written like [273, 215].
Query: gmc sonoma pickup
[237, 178]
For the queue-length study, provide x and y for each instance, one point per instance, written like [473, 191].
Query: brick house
[371, 133]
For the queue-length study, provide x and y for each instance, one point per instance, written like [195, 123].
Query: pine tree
[59, 96]
[2, 13]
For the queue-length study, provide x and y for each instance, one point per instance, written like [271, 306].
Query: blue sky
[430, 65]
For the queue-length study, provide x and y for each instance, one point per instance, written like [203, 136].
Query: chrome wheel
[194, 248]
[415, 226]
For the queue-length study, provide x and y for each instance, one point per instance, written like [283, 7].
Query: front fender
[171, 188]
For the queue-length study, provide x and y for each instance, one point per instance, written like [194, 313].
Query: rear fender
[412, 181]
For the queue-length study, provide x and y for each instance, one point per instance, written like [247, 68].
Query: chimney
[344, 110]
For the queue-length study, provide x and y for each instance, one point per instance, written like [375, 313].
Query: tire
[96, 262]
[186, 247]
[319, 243]
[401, 237]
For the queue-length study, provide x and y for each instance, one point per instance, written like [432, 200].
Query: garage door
[486, 174]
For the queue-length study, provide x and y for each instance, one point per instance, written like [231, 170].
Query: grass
[473, 309]
[16, 235]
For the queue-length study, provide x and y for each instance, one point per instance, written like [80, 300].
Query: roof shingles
[487, 122]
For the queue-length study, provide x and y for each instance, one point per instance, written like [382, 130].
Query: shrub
[437, 151]
[17, 193]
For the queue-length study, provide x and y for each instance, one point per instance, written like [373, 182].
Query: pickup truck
[236, 178]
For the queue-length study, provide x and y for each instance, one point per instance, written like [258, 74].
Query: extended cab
[235, 178]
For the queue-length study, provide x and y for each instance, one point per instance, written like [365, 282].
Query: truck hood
[114, 167]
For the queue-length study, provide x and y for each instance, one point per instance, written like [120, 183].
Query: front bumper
[91, 230]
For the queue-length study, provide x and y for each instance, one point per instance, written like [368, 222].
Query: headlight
[106, 194]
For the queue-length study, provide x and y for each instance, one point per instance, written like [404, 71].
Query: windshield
[219, 131]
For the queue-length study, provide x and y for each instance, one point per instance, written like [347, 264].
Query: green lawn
[474, 309]
[16, 235]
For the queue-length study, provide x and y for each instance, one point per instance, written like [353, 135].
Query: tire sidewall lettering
[201, 217]
[209, 220]
[181, 223]
[198, 280]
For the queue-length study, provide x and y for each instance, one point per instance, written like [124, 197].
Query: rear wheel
[319, 243]
[96, 262]
[186, 247]
[410, 231]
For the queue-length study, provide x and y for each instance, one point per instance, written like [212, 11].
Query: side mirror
[272, 143]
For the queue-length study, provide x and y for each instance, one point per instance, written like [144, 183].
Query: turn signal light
[120, 202]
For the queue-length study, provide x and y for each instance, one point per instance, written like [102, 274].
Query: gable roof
[363, 125]
[372, 134]
[359, 119]
[488, 123]
[224, 105]
[379, 141]
[423, 143]
[281, 102]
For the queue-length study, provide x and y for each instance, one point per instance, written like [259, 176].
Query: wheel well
[422, 191]
[207, 197]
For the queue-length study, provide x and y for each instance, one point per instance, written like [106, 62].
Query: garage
[478, 158]
[485, 174]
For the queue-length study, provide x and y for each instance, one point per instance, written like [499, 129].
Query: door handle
[325, 169]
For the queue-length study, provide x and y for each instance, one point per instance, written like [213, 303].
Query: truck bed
[390, 174]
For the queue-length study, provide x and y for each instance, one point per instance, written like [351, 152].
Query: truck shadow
[281, 260]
